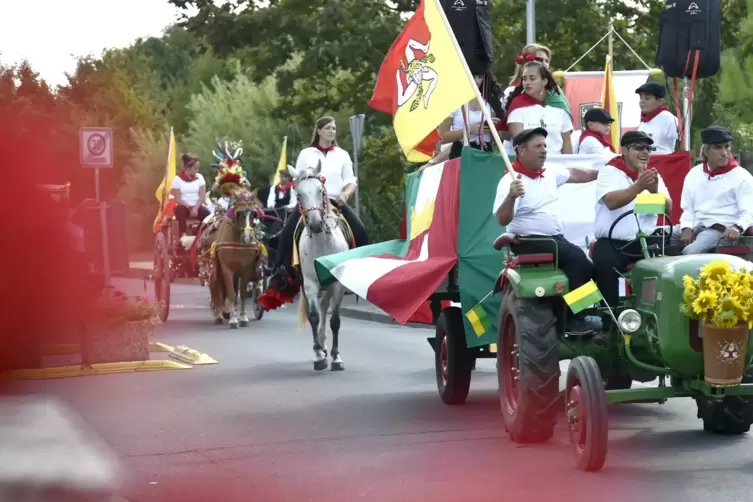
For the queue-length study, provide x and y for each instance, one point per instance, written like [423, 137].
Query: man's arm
[580, 175]
[506, 211]
[744, 197]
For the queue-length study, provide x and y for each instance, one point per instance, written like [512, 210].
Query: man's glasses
[641, 148]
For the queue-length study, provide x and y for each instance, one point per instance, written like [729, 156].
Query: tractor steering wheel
[621, 249]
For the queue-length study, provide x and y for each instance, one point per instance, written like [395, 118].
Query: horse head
[244, 212]
[312, 196]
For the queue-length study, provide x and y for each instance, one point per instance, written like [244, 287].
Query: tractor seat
[506, 239]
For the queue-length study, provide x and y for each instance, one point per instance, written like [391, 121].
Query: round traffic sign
[96, 144]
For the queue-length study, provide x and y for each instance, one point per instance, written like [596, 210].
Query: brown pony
[236, 252]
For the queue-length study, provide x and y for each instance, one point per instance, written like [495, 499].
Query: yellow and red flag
[163, 190]
[609, 103]
[283, 162]
[422, 80]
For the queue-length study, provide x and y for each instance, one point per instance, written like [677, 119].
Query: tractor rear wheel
[732, 415]
[586, 411]
[528, 370]
[453, 360]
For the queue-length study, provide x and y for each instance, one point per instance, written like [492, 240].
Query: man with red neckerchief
[717, 196]
[656, 119]
[526, 204]
[619, 182]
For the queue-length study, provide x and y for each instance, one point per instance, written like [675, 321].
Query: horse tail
[303, 312]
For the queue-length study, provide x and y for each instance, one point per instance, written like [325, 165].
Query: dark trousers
[285, 249]
[571, 259]
[182, 214]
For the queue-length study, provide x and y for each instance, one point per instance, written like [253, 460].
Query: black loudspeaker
[685, 27]
[471, 23]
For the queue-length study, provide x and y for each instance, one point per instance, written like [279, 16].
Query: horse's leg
[215, 290]
[311, 290]
[337, 291]
[323, 307]
[243, 286]
[228, 276]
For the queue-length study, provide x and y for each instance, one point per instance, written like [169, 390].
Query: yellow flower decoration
[720, 296]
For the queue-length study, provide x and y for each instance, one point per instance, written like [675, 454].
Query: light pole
[530, 21]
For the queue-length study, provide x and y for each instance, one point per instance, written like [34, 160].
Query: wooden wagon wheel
[162, 275]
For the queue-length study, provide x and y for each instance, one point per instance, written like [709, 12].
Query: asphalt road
[263, 426]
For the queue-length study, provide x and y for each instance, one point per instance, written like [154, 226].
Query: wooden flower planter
[724, 354]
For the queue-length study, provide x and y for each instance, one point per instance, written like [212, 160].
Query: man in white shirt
[657, 120]
[595, 139]
[717, 196]
[526, 203]
[618, 184]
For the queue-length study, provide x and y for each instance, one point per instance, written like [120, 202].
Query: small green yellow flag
[650, 203]
[583, 297]
[479, 320]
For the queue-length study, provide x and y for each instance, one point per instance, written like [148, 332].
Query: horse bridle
[323, 208]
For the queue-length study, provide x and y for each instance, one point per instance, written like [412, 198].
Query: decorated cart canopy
[450, 222]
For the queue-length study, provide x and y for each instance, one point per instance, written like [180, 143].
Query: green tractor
[654, 340]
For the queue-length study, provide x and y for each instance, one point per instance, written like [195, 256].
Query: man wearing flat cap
[656, 119]
[526, 204]
[717, 197]
[595, 139]
[619, 182]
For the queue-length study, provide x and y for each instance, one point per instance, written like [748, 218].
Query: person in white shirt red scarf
[595, 139]
[619, 182]
[527, 205]
[190, 191]
[538, 102]
[339, 183]
[657, 120]
[283, 194]
[717, 196]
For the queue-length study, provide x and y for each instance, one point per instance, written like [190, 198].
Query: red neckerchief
[514, 83]
[518, 167]
[286, 187]
[324, 149]
[601, 138]
[620, 164]
[731, 164]
[520, 101]
[647, 117]
[186, 177]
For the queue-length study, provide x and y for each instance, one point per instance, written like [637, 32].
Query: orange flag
[422, 80]
[609, 103]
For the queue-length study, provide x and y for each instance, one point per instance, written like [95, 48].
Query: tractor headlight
[629, 321]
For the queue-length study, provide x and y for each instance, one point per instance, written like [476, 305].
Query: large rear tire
[528, 369]
[732, 416]
[453, 361]
[162, 276]
[586, 411]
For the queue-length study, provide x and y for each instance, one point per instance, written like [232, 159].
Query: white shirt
[293, 197]
[474, 116]
[337, 168]
[611, 179]
[507, 144]
[726, 199]
[663, 130]
[536, 211]
[555, 120]
[189, 191]
[592, 146]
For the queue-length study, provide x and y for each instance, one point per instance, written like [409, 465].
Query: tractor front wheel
[586, 411]
[528, 370]
[733, 415]
[453, 361]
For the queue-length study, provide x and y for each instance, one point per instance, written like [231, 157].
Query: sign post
[96, 151]
[356, 131]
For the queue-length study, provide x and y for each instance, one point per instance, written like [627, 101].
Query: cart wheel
[586, 410]
[162, 276]
[453, 361]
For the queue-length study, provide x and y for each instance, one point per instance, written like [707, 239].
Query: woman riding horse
[339, 183]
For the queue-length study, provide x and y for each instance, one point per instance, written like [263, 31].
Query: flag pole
[479, 97]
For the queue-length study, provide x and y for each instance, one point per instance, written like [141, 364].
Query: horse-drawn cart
[486, 301]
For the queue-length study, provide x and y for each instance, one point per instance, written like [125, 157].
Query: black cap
[526, 134]
[599, 115]
[652, 88]
[715, 135]
[633, 137]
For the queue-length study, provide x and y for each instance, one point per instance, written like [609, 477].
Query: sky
[51, 33]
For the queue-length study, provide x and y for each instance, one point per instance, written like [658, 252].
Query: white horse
[323, 235]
